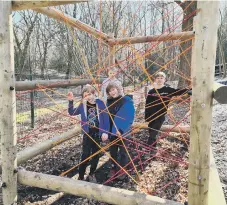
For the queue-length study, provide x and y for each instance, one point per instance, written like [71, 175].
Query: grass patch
[25, 116]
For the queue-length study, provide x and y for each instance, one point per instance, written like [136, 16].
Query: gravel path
[219, 142]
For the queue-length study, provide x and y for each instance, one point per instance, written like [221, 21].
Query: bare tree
[189, 9]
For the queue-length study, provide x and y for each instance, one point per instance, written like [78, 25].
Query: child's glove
[70, 96]
[104, 137]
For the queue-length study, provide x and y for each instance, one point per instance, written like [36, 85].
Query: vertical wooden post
[32, 97]
[7, 105]
[203, 64]
[32, 109]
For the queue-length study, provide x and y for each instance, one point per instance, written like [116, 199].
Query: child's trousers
[154, 128]
[118, 150]
[89, 148]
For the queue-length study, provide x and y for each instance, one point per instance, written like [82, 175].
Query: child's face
[114, 93]
[160, 80]
[112, 74]
[90, 97]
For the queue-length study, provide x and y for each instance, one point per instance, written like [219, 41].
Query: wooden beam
[220, 93]
[98, 192]
[37, 149]
[21, 5]
[203, 64]
[7, 106]
[145, 39]
[215, 192]
[55, 197]
[164, 128]
[59, 16]
[36, 84]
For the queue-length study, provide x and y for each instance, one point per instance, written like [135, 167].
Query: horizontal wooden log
[220, 93]
[59, 16]
[215, 192]
[21, 5]
[164, 128]
[36, 84]
[55, 197]
[37, 149]
[146, 39]
[98, 192]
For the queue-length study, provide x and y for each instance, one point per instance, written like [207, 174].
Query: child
[111, 79]
[94, 123]
[155, 110]
[122, 113]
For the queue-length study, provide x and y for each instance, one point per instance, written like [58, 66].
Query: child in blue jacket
[94, 123]
[122, 111]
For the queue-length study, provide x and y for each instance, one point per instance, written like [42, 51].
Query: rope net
[157, 170]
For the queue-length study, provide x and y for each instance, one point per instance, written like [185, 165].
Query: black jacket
[155, 107]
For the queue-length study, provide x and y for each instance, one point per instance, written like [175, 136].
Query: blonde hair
[160, 74]
[89, 89]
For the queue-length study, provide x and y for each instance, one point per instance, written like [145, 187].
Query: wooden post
[203, 64]
[32, 109]
[32, 98]
[7, 106]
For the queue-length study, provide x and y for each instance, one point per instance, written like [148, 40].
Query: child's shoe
[91, 178]
[112, 173]
[79, 178]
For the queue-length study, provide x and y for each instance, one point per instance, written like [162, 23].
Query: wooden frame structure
[201, 169]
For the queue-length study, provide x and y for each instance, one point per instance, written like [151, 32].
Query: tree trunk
[187, 25]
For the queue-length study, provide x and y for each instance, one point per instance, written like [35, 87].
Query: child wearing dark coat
[122, 112]
[94, 124]
[157, 102]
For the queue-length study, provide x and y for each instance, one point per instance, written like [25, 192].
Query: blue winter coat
[124, 117]
[102, 114]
